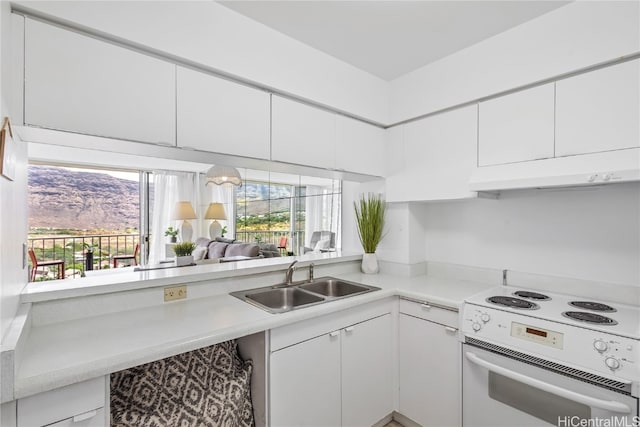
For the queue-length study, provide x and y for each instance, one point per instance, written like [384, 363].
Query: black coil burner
[593, 306]
[583, 316]
[513, 302]
[532, 295]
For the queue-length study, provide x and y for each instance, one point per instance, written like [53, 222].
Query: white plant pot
[370, 264]
[184, 260]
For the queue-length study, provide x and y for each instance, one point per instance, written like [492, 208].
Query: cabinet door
[439, 157]
[517, 127]
[430, 380]
[367, 372]
[79, 84]
[220, 116]
[599, 111]
[359, 147]
[301, 134]
[305, 383]
[82, 403]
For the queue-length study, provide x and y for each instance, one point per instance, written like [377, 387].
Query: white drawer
[64, 403]
[93, 418]
[301, 331]
[426, 311]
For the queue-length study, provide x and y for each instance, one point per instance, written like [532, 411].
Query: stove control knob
[600, 345]
[485, 317]
[612, 363]
[476, 326]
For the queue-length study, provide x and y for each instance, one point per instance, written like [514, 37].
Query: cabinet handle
[334, 334]
[85, 416]
[450, 329]
[348, 329]
[425, 306]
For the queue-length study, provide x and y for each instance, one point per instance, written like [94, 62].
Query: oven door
[501, 391]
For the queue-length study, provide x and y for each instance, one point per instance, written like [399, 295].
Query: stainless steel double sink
[283, 297]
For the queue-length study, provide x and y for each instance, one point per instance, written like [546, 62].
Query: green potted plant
[183, 253]
[172, 234]
[370, 212]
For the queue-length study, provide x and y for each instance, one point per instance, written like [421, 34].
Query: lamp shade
[183, 210]
[219, 175]
[215, 211]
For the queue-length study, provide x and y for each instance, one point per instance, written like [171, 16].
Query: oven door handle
[606, 405]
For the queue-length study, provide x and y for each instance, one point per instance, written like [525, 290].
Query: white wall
[13, 196]
[403, 241]
[591, 233]
[569, 38]
[212, 35]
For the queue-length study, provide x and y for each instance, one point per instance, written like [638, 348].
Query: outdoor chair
[35, 265]
[125, 257]
[282, 246]
[328, 236]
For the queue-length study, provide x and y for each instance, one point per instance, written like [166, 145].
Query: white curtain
[171, 187]
[322, 212]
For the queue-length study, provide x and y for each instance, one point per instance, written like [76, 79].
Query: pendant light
[219, 175]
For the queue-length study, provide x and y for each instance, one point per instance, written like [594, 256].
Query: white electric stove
[537, 358]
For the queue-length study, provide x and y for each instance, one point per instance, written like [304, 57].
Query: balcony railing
[273, 237]
[73, 250]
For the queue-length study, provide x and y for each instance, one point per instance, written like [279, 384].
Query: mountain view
[64, 200]
[60, 198]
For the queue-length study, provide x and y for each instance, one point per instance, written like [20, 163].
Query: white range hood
[584, 169]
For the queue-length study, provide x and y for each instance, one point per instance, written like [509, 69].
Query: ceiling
[391, 38]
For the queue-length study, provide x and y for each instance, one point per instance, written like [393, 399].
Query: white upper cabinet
[517, 127]
[301, 134]
[359, 147]
[79, 84]
[599, 111]
[439, 154]
[220, 116]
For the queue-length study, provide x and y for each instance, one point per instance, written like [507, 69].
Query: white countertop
[63, 353]
[127, 279]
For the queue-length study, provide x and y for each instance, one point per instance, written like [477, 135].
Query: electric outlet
[175, 292]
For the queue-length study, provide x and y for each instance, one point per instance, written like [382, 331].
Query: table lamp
[215, 211]
[184, 211]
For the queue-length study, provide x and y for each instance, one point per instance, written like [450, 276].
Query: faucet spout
[289, 275]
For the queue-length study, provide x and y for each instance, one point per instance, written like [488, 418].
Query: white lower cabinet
[305, 383]
[82, 404]
[367, 376]
[429, 358]
[341, 378]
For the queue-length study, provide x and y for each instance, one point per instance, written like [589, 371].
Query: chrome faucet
[288, 278]
[311, 272]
